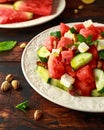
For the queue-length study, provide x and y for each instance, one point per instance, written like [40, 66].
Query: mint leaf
[73, 30]
[102, 34]
[7, 45]
[89, 39]
[56, 34]
[94, 42]
[101, 54]
[23, 106]
[81, 38]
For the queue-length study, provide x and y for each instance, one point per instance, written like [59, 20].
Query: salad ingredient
[37, 7]
[99, 80]
[15, 84]
[100, 45]
[101, 54]
[9, 77]
[7, 45]
[71, 35]
[67, 56]
[56, 34]
[65, 42]
[23, 106]
[80, 60]
[83, 47]
[88, 1]
[99, 64]
[82, 88]
[43, 53]
[43, 73]
[94, 52]
[55, 67]
[37, 114]
[50, 43]
[67, 80]
[78, 27]
[95, 93]
[90, 32]
[87, 23]
[5, 86]
[57, 83]
[69, 70]
[85, 74]
[63, 28]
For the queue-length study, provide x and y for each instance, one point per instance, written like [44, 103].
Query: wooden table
[54, 116]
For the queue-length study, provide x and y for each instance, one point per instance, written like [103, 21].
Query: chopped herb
[23, 106]
[81, 38]
[56, 34]
[101, 54]
[102, 34]
[94, 42]
[7, 45]
[73, 30]
[87, 40]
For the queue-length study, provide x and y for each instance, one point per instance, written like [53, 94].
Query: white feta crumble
[83, 47]
[67, 80]
[87, 23]
[100, 45]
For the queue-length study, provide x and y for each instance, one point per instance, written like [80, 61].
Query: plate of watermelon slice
[38, 78]
[26, 13]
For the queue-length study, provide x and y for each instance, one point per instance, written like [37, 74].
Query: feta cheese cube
[87, 23]
[56, 51]
[67, 80]
[70, 35]
[100, 45]
[83, 47]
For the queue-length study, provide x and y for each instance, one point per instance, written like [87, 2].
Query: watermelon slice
[9, 15]
[2, 1]
[38, 7]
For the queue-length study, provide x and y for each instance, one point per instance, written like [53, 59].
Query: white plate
[58, 7]
[53, 94]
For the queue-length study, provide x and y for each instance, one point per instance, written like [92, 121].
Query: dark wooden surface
[54, 116]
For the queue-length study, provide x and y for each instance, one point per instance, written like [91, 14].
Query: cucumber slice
[43, 73]
[80, 60]
[43, 54]
[56, 82]
[95, 93]
[99, 80]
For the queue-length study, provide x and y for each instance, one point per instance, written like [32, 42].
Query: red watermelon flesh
[2, 1]
[9, 15]
[38, 7]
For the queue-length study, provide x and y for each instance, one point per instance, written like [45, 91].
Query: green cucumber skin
[80, 60]
[56, 82]
[43, 73]
[99, 80]
[43, 54]
[95, 93]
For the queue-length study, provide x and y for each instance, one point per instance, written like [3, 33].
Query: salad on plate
[72, 58]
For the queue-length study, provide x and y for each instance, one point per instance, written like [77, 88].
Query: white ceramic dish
[58, 7]
[53, 94]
